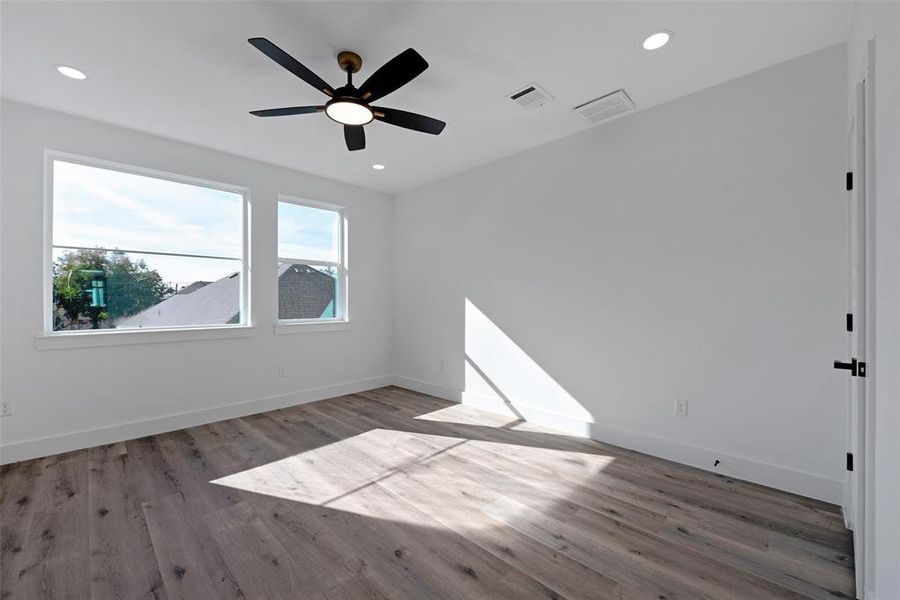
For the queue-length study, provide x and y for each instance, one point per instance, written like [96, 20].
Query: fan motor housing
[349, 61]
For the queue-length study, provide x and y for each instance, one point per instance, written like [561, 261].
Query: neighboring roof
[217, 303]
[303, 293]
[193, 287]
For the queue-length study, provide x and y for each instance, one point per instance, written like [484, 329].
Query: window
[132, 249]
[312, 274]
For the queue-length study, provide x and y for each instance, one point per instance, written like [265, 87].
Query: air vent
[531, 96]
[606, 107]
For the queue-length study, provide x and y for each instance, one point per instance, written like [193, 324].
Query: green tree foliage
[129, 287]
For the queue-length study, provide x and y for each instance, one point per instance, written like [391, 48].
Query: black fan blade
[401, 118]
[355, 136]
[393, 75]
[291, 110]
[291, 64]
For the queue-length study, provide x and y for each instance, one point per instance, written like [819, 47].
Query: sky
[306, 232]
[94, 207]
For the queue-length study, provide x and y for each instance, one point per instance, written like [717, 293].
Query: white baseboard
[782, 478]
[432, 389]
[119, 432]
[562, 423]
[799, 482]
[775, 476]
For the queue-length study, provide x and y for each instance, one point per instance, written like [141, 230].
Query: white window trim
[51, 339]
[310, 326]
[342, 310]
[92, 338]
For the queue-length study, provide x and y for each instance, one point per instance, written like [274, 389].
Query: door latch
[856, 368]
[847, 366]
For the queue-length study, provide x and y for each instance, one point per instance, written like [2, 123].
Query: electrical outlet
[5, 408]
[281, 372]
[681, 407]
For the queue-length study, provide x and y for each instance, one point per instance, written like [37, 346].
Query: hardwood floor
[393, 494]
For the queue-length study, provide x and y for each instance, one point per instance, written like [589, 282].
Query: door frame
[859, 491]
[869, 446]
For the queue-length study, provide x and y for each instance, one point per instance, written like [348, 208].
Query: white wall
[64, 399]
[693, 250]
[881, 21]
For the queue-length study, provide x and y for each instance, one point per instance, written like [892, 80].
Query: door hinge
[849, 321]
[849, 180]
[861, 369]
[849, 461]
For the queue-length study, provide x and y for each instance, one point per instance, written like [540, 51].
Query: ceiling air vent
[606, 107]
[531, 96]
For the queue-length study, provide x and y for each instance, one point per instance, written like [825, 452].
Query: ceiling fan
[349, 105]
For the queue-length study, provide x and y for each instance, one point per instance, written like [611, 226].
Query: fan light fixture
[349, 105]
[349, 112]
[657, 40]
[70, 72]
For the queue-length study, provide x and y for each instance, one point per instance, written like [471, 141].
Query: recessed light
[71, 72]
[657, 40]
[378, 167]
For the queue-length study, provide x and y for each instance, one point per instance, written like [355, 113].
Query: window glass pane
[307, 292]
[310, 233]
[96, 289]
[94, 207]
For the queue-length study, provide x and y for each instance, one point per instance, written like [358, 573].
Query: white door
[855, 364]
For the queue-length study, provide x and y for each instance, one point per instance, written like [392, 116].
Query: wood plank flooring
[394, 494]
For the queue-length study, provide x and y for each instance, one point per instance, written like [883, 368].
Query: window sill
[91, 339]
[310, 327]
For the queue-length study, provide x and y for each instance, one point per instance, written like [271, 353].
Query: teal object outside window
[97, 292]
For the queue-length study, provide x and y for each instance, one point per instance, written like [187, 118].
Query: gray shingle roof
[193, 287]
[214, 304]
[303, 293]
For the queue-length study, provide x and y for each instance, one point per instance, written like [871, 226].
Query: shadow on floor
[393, 494]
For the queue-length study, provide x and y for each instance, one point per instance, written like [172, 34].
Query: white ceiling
[184, 70]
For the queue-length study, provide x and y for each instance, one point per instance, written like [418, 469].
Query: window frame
[342, 294]
[156, 333]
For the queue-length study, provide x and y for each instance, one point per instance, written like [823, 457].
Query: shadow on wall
[500, 376]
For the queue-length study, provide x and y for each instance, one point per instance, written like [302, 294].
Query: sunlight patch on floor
[459, 413]
[369, 473]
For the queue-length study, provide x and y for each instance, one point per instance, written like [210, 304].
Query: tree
[102, 285]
